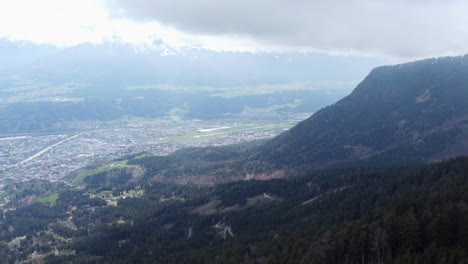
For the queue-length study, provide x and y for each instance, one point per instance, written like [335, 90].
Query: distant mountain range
[15, 54]
[159, 66]
[111, 80]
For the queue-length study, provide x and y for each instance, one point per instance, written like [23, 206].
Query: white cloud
[392, 27]
[398, 28]
[70, 22]
[61, 22]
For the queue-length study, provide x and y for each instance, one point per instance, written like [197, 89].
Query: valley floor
[52, 156]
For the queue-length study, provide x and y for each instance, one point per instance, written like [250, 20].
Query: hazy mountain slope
[14, 54]
[115, 79]
[48, 116]
[160, 66]
[414, 112]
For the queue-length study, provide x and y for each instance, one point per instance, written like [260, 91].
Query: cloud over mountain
[398, 28]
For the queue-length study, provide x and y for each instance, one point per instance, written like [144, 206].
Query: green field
[109, 166]
[142, 156]
[49, 199]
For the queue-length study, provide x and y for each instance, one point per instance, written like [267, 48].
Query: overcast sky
[398, 28]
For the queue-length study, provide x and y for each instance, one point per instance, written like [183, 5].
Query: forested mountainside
[188, 207]
[409, 113]
[360, 215]
[233, 132]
